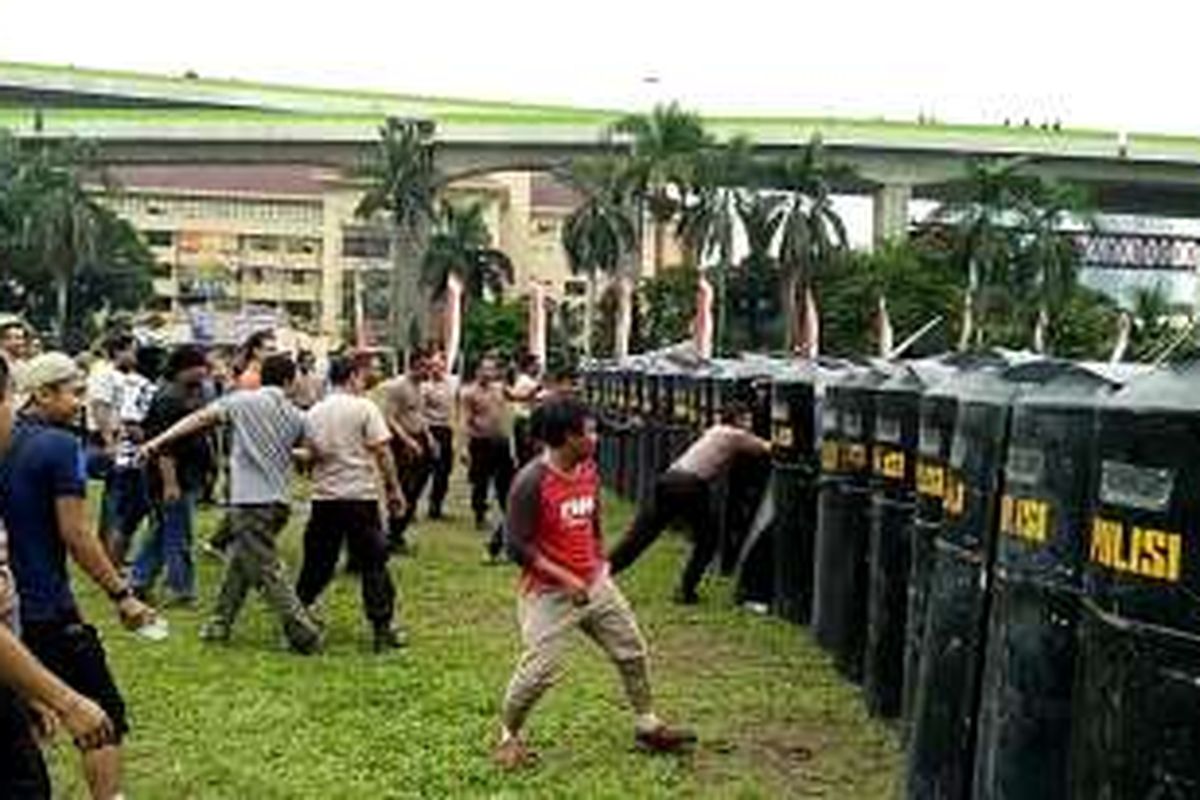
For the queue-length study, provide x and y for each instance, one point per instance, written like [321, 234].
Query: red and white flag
[702, 326]
[883, 324]
[808, 344]
[453, 321]
[537, 322]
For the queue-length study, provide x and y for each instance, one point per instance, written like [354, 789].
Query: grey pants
[254, 563]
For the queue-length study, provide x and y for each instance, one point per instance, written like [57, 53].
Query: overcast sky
[1130, 65]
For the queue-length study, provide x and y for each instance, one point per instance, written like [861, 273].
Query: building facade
[283, 243]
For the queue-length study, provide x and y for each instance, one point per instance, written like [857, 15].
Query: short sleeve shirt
[403, 400]
[43, 464]
[556, 515]
[136, 394]
[169, 404]
[340, 428]
[439, 401]
[103, 386]
[266, 426]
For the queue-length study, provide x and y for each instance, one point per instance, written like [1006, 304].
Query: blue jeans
[125, 504]
[169, 544]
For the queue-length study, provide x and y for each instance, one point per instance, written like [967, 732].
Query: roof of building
[274, 179]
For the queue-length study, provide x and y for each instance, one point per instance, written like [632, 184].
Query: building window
[259, 244]
[160, 238]
[303, 245]
[302, 312]
[299, 277]
[364, 244]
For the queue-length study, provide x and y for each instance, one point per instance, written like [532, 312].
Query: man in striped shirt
[266, 427]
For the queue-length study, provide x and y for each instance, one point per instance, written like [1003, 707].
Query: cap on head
[48, 369]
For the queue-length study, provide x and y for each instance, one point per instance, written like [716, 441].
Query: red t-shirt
[557, 515]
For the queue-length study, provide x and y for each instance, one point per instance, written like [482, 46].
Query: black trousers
[72, 650]
[22, 770]
[357, 522]
[677, 496]
[491, 465]
[524, 444]
[414, 471]
[442, 467]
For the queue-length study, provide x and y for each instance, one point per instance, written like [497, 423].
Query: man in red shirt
[554, 533]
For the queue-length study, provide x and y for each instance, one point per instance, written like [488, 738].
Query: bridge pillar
[890, 216]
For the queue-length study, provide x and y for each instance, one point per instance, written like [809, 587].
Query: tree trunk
[397, 319]
[660, 246]
[407, 293]
[62, 286]
[360, 317]
[787, 304]
[624, 316]
[589, 315]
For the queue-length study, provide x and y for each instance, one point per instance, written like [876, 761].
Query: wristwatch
[121, 595]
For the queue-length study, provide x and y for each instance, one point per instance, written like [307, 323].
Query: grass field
[248, 720]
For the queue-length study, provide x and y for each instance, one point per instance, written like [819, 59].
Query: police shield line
[996, 546]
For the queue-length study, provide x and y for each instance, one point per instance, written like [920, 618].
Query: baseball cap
[47, 370]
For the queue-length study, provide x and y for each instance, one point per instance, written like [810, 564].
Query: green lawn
[249, 720]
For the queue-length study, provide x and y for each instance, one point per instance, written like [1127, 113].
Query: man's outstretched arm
[194, 423]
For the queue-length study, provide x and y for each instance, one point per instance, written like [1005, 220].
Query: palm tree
[1151, 315]
[760, 219]
[402, 181]
[60, 223]
[980, 213]
[709, 218]
[664, 146]
[599, 232]
[1046, 271]
[813, 231]
[461, 245]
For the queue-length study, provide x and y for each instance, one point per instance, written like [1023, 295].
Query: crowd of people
[167, 431]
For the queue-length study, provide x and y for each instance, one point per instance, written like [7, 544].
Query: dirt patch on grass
[791, 754]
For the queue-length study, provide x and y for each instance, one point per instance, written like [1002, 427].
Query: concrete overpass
[145, 119]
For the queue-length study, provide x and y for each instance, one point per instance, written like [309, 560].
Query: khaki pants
[547, 617]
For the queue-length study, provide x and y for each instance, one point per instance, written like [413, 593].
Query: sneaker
[512, 754]
[389, 639]
[217, 632]
[664, 739]
[304, 647]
